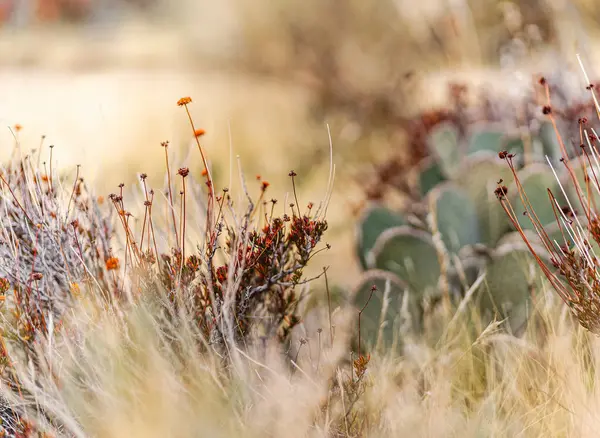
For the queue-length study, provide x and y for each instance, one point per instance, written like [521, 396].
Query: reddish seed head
[373, 288]
[4, 285]
[547, 109]
[164, 144]
[501, 192]
[37, 276]
[184, 101]
[503, 154]
[121, 185]
[292, 173]
[199, 132]
[112, 263]
[265, 184]
[184, 171]
[542, 81]
[582, 120]
[147, 203]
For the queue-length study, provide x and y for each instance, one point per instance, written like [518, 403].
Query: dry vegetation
[204, 308]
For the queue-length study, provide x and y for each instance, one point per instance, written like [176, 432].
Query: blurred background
[100, 79]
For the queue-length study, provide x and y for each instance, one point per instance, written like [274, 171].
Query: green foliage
[374, 221]
[430, 175]
[479, 177]
[444, 143]
[457, 184]
[550, 144]
[587, 183]
[387, 309]
[489, 139]
[536, 180]
[455, 216]
[411, 255]
[512, 276]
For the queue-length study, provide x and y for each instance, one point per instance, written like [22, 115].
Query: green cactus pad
[550, 144]
[479, 176]
[466, 267]
[511, 277]
[486, 138]
[374, 221]
[581, 169]
[526, 150]
[455, 215]
[558, 236]
[536, 179]
[444, 144]
[429, 175]
[410, 254]
[374, 323]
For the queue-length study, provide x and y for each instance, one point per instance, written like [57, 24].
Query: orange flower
[75, 289]
[112, 263]
[199, 132]
[4, 286]
[18, 127]
[184, 101]
[265, 184]
[204, 172]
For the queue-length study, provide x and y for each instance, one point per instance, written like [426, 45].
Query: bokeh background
[100, 78]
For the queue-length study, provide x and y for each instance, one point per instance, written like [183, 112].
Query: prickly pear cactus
[486, 138]
[536, 180]
[388, 309]
[479, 177]
[374, 221]
[512, 279]
[457, 184]
[444, 143]
[411, 255]
[429, 175]
[455, 217]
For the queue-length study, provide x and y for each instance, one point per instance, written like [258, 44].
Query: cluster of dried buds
[248, 265]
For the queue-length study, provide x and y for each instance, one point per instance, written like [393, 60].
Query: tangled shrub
[58, 251]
